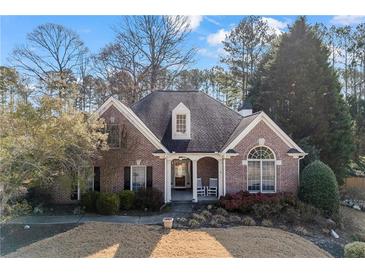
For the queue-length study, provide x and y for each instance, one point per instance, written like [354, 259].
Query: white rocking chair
[213, 187]
[200, 187]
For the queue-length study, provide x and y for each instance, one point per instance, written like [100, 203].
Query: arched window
[261, 170]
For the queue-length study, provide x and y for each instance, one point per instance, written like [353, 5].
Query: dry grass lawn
[126, 240]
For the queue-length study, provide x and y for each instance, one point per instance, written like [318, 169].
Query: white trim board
[133, 119]
[272, 125]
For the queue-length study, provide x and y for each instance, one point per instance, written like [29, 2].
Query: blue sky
[96, 31]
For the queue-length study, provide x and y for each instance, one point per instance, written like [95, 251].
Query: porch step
[182, 206]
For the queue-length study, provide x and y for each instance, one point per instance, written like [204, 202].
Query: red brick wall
[137, 147]
[112, 162]
[287, 173]
[207, 168]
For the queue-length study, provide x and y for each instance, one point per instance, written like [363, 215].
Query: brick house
[192, 147]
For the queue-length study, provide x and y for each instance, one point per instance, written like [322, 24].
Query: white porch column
[168, 180]
[195, 175]
[220, 178]
[224, 176]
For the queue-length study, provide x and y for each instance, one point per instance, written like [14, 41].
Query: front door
[181, 174]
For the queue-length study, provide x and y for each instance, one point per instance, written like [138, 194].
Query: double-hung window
[261, 170]
[138, 177]
[181, 123]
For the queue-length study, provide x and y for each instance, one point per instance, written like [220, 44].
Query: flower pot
[167, 222]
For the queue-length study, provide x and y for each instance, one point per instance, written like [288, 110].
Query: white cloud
[207, 53]
[211, 20]
[216, 38]
[195, 21]
[347, 19]
[276, 25]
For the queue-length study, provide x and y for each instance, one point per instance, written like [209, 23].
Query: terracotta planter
[167, 222]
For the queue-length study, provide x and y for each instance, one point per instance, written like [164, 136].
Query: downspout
[299, 158]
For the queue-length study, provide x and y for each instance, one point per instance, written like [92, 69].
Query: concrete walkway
[74, 219]
[177, 211]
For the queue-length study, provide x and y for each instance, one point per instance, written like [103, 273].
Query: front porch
[194, 177]
[186, 195]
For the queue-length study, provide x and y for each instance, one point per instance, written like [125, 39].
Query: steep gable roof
[212, 123]
[133, 118]
[249, 122]
[214, 126]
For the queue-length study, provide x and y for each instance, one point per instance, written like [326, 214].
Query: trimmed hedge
[88, 200]
[319, 188]
[355, 250]
[108, 203]
[150, 198]
[244, 201]
[127, 198]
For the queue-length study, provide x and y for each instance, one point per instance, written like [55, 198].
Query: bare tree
[146, 47]
[51, 52]
[117, 66]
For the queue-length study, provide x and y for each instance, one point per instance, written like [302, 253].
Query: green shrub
[355, 250]
[88, 200]
[308, 213]
[207, 214]
[219, 219]
[127, 198]
[266, 223]
[319, 188]
[150, 198]
[107, 203]
[19, 209]
[234, 219]
[199, 217]
[221, 211]
[248, 221]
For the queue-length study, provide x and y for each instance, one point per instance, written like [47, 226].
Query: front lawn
[14, 236]
[142, 241]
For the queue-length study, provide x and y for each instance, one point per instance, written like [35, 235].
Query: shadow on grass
[96, 240]
[142, 241]
[14, 236]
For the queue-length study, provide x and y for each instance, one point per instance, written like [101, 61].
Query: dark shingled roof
[212, 123]
[245, 121]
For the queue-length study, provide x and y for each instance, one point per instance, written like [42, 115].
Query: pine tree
[298, 88]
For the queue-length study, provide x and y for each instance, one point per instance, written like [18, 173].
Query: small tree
[38, 144]
[318, 187]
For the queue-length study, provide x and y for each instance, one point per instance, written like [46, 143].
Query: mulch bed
[14, 236]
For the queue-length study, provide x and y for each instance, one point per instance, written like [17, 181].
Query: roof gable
[214, 126]
[248, 123]
[132, 118]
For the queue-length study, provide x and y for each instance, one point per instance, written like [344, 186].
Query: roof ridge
[216, 100]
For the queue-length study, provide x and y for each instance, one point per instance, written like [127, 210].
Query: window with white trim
[261, 170]
[181, 123]
[138, 177]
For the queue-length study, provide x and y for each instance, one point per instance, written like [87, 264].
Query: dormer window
[180, 122]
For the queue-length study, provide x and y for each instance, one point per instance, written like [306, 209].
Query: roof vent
[245, 109]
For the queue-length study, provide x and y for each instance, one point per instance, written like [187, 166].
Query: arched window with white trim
[261, 170]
